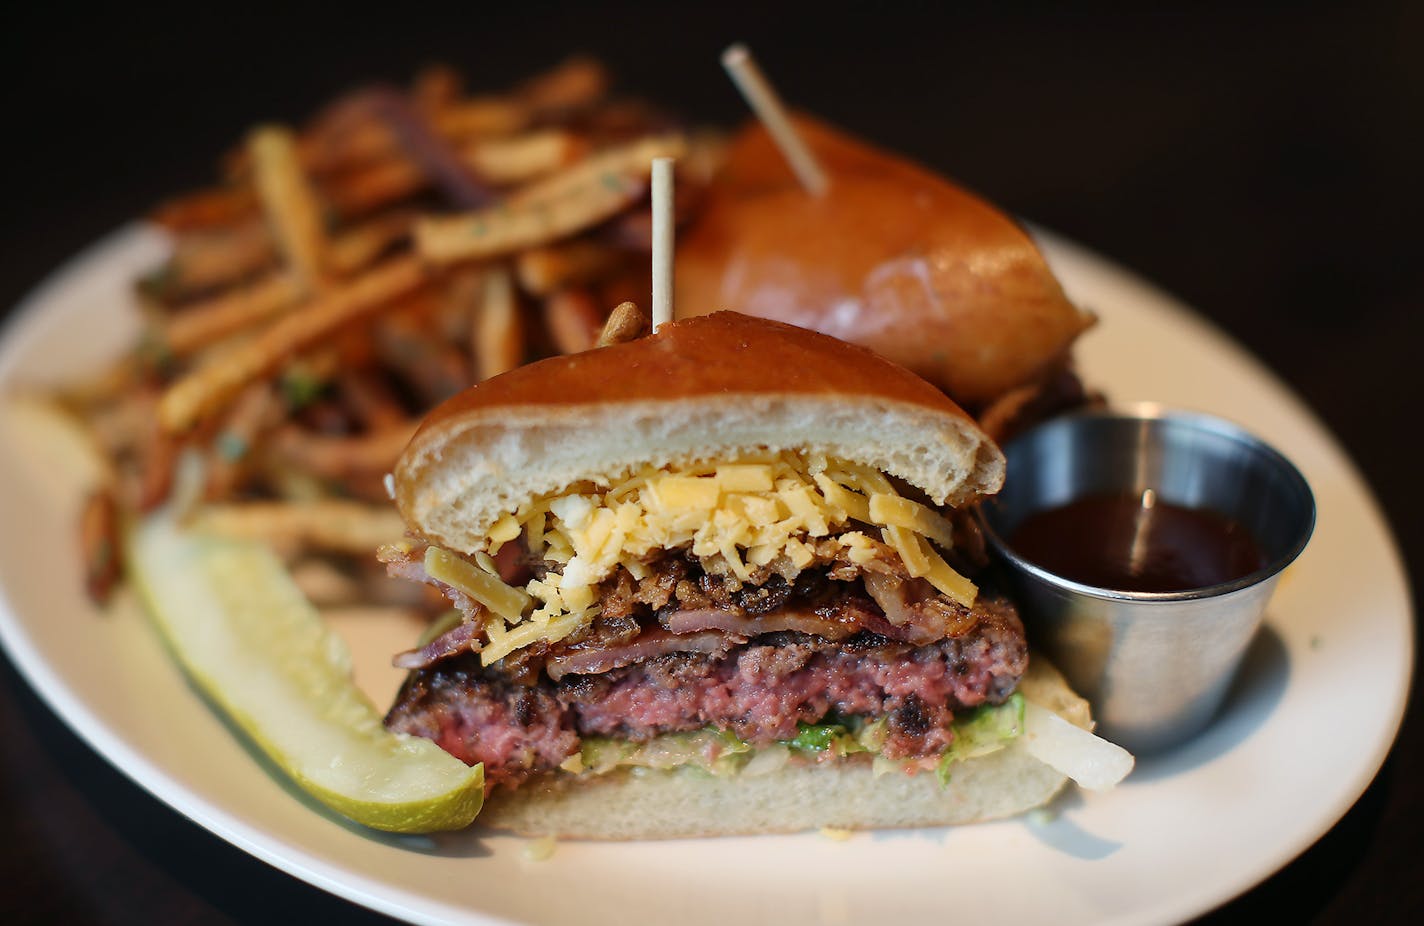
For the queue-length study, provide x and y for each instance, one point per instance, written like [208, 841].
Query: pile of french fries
[344, 278]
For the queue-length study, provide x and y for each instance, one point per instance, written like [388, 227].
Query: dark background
[1263, 164]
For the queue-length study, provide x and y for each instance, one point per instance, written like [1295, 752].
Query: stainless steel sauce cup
[1155, 665]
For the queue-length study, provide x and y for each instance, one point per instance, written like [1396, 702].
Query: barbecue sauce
[1137, 543]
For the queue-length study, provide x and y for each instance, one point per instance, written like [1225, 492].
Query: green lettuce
[987, 729]
[979, 732]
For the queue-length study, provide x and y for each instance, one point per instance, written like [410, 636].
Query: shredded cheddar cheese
[757, 512]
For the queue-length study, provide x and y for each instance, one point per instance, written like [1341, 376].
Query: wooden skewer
[761, 96]
[662, 241]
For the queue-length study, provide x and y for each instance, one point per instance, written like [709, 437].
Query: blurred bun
[893, 258]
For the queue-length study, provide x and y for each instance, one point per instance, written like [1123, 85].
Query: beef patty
[520, 722]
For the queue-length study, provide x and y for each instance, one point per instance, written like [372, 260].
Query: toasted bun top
[704, 388]
[893, 258]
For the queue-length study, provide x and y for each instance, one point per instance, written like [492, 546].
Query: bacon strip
[914, 605]
[403, 565]
[846, 619]
[464, 636]
[647, 645]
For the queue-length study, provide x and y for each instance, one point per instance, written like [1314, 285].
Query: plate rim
[30, 314]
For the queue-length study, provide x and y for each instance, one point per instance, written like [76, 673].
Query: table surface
[1262, 166]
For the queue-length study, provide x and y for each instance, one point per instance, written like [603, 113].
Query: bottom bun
[651, 804]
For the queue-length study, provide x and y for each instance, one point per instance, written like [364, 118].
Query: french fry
[394, 177]
[333, 525]
[206, 258]
[602, 169]
[620, 120]
[633, 285]
[119, 426]
[231, 452]
[482, 117]
[289, 204]
[236, 309]
[574, 83]
[345, 134]
[323, 583]
[351, 134]
[360, 141]
[99, 544]
[459, 304]
[436, 157]
[348, 134]
[341, 457]
[207, 209]
[499, 327]
[436, 87]
[303, 380]
[127, 381]
[545, 269]
[326, 584]
[353, 348]
[158, 460]
[573, 320]
[522, 158]
[208, 389]
[354, 250]
[706, 153]
[998, 419]
[430, 365]
[367, 487]
[373, 186]
[251, 302]
[625, 323]
[633, 230]
[581, 196]
[326, 415]
[370, 400]
[500, 231]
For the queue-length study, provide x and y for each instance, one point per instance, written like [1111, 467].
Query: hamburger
[893, 257]
[720, 580]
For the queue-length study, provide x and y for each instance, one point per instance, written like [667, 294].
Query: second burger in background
[891, 257]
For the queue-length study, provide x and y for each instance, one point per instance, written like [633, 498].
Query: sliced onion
[1091, 761]
[766, 761]
[882, 766]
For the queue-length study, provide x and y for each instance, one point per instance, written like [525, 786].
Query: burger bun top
[711, 387]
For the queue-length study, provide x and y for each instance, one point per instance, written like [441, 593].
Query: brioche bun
[893, 257]
[712, 388]
[845, 793]
[704, 388]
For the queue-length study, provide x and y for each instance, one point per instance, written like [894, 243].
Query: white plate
[1306, 728]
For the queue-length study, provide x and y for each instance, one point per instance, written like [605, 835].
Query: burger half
[719, 580]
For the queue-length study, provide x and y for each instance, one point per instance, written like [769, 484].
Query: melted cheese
[758, 512]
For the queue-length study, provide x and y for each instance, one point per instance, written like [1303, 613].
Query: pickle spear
[252, 642]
